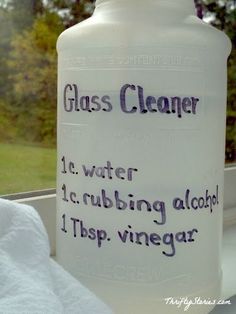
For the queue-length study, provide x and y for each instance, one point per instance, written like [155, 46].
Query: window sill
[46, 207]
[229, 261]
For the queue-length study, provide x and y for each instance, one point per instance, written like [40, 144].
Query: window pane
[26, 168]
[28, 35]
[28, 32]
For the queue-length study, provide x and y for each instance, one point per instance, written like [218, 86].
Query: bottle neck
[164, 10]
[180, 5]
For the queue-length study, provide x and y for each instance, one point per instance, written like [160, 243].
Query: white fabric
[31, 282]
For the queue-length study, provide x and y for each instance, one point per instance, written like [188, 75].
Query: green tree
[33, 66]
[74, 11]
[6, 32]
[30, 68]
[23, 12]
[15, 17]
[224, 12]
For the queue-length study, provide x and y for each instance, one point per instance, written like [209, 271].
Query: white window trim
[46, 207]
[230, 188]
[45, 203]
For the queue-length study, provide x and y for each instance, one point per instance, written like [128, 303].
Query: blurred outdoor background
[28, 77]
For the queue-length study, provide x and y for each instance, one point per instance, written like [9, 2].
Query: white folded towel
[31, 282]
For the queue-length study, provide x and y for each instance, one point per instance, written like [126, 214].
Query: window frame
[45, 204]
[230, 187]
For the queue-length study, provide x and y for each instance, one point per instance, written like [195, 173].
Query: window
[27, 96]
[29, 30]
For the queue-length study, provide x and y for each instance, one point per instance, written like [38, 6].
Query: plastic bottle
[141, 133]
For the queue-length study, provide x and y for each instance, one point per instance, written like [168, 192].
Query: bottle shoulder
[191, 32]
[207, 35]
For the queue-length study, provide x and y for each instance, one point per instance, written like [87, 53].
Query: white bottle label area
[139, 174]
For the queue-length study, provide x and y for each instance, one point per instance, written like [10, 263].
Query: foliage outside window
[28, 61]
